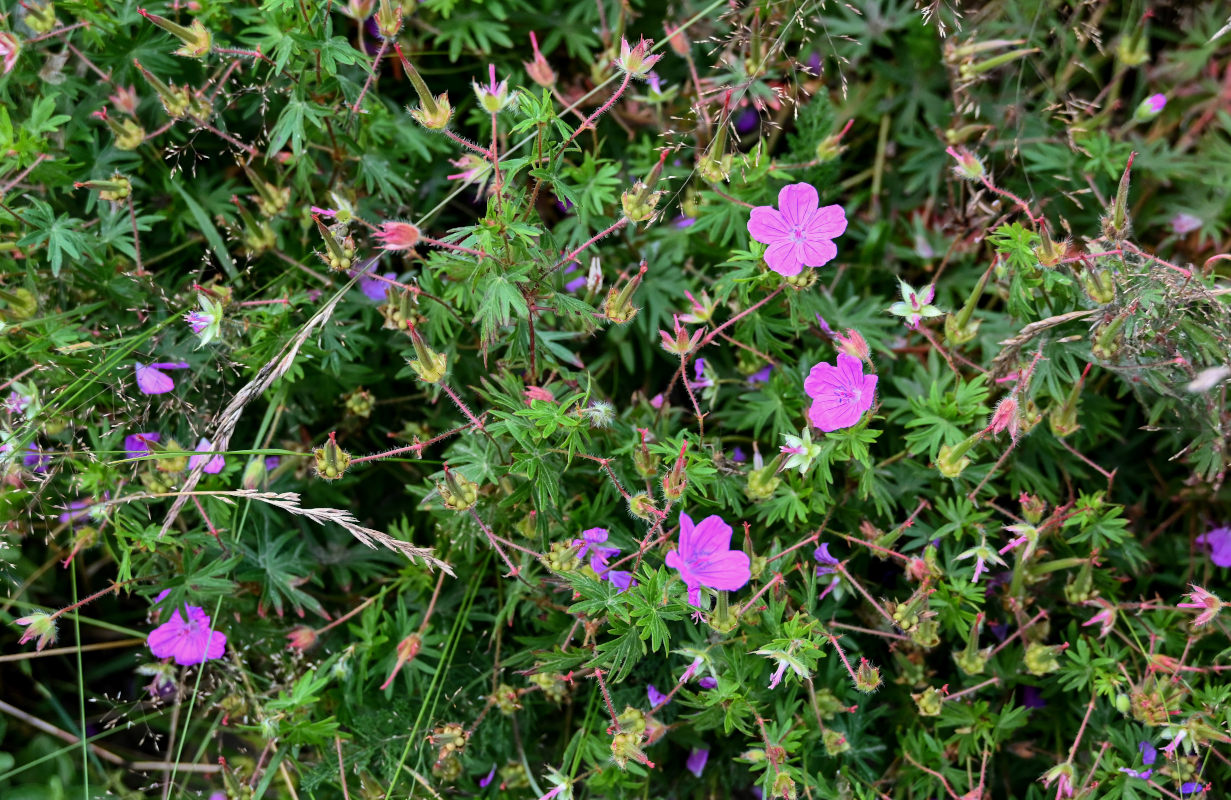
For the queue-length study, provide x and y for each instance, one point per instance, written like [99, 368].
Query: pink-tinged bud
[1105, 619]
[533, 393]
[1150, 108]
[678, 39]
[539, 70]
[397, 235]
[41, 625]
[358, 9]
[301, 638]
[407, 649]
[125, 99]
[969, 167]
[1006, 417]
[10, 48]
[675, 480]
[197, 41]
[853, 344]
[680, 343]
[389, 19]
[636, 61]
[1199, 598]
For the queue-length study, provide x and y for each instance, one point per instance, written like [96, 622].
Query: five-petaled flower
[1209, 604]
[705, 557]
[915, 306]
[152, 380]
[798, 233]
[840, 394]
[189, 641]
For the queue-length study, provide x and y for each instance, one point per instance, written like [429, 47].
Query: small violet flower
[825, 563]
[798, 233]
[188, 641]
[656, 697]
[707, 682]
[485, 782]
[840, 394]
[213, 465]
[152, 380]
[374, 288]
[1219, 543]
[705, 557]
[696, 760]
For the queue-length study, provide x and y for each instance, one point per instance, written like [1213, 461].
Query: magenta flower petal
[621, 579]
[783, 257]
[188, 642]
[798, 202]
[1219, 543]
[213, 465]
[485, 782]
[707, 682]
[137, 444]
[840, 395]
[828, 222]
[767, 225]
[705, 557]
[707, 539]
[816, 253]
[656, 697]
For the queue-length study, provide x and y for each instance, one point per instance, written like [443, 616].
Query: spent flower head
[915, 305]
[636, 60]
[206, 323]
[40, 625]
[800, 451]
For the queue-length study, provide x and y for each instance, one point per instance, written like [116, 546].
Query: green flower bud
[1040, 658]
[618, 307]
[331, 460]
[430, 366]
[867, 677]
[197, 40]
[642, 506]
[457, 492]
[928, 702]
[835, 742]
[561, 557]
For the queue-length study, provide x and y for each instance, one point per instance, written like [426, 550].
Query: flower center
[797, 234]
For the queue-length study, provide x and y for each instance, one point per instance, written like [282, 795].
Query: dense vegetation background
[372, 372]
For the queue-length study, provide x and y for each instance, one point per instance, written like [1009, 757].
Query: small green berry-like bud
[457, 492]
[639, 202]
[764, 481]
[632, 720]
[626, 746]
[359, 403]
[448, 769]
[642, 506]
[867, 677]
[331, 460]
[1108, 339]
[552, 684]
[951, 460]
[835, 742]
[1098, 284]
[40, 17]
[561, 557]
[1040, 658]
[928, 702]
[115, 189]
[430, 366]
[926, 634]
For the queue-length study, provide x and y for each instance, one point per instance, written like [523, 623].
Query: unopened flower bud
[951, 461]
[430, 366]
[853, 344]
[457, 492]
[1150, 108]
[552, 685]
[675, 480]
[539, 70]
[1033, 507]
[1108, 339]
[197, 40]
[1116, 224]
[680, 343]
[1005, 417]
[618, 307]
[645, 462]
[1050, 252]
[331, 460]
[301, 638]
[256, 475]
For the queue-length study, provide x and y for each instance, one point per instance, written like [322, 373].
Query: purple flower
[747, 120]
[761, 375]
[738, 455]
[272, 462]
[575, 285]
[35, 459]
[152, 380]
[1032, 697]
[198, 320]
[840, 395]
[685, 222]
[621, 579]
[825, 329]
[190, 641]
[17, 403]
[1189, 787]
[657, 401]
[825, 562]
[696, 760]
[590, 538]
[485, 782]
[1219, 543]
[137, 444]
[1148, 753]
[374, 288]
[657, 698]
[705, 557]
[1155, 102]
[213, 465]
[1183, 223]
[707, 682]
[701, 382]
[76, 510]
[798, 233]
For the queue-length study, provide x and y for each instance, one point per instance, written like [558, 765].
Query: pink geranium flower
[840, 395]
[213, 465]
[397, 235]
[152, 380]
[705, 557]
[190, 641]
[799, 234]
